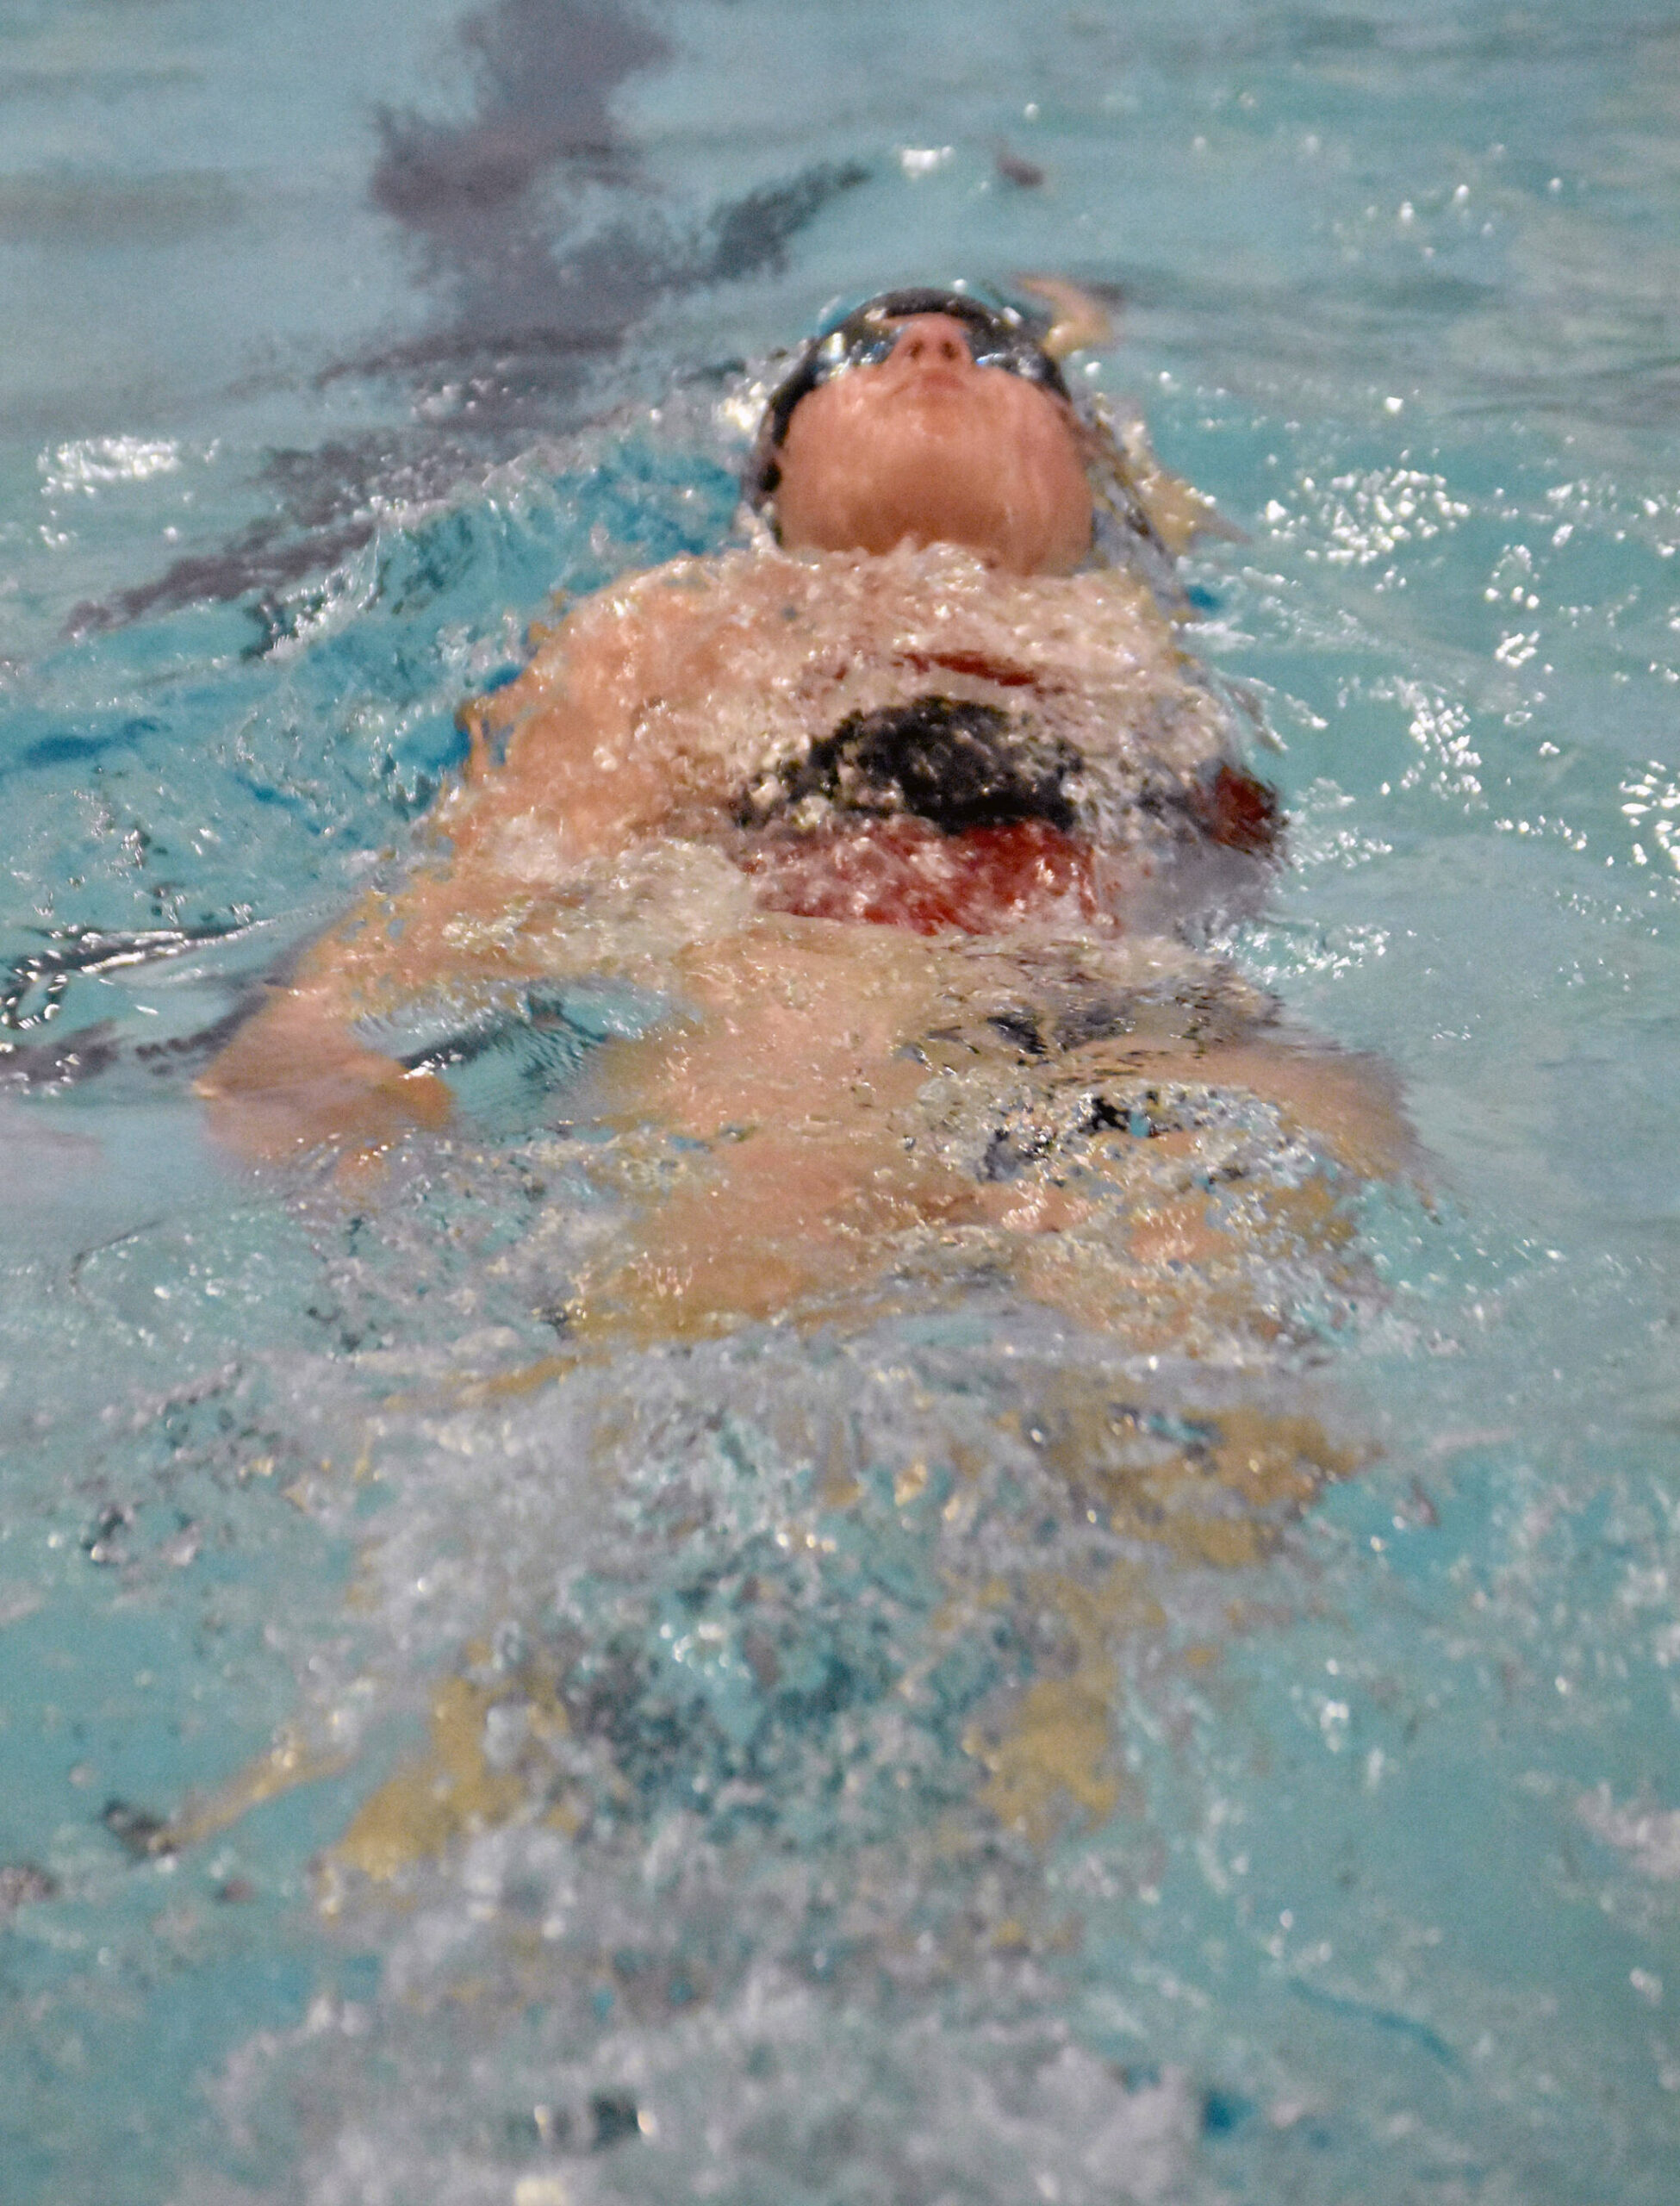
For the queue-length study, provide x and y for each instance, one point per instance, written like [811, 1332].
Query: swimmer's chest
[797, 650]
[910, 739]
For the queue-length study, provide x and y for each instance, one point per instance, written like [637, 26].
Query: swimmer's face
[925, 446]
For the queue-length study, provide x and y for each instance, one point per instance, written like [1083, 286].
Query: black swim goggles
[999, 337]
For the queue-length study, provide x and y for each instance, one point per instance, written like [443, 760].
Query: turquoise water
[338, 337]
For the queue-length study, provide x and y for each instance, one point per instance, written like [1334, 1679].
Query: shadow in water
[535, 292]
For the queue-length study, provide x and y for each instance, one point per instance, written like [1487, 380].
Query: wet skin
[926, 447]
[796, 1075]
[794, 1067]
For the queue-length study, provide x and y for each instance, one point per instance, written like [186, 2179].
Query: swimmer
[901, 820]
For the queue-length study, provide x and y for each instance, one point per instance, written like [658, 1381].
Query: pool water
[877, 1760]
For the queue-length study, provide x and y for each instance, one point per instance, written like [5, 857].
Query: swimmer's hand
[292, 1079]
[1081, 320]
[1348, 1101]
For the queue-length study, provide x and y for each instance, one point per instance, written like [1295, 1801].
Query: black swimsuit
[956, 765]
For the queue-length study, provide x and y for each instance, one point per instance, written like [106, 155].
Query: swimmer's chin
[990, 547]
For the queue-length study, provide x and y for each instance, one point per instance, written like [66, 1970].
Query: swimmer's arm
[577, 734]
[295, 1078]
[297, 1075]
[1347, 1101]
[576, 784]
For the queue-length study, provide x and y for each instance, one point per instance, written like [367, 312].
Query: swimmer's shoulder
[653, 643]
[756, 612]
[683, 596]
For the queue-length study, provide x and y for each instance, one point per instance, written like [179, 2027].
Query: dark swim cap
[999, 337]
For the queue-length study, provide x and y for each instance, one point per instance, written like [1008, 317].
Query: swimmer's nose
[942, 348]
[933, 340]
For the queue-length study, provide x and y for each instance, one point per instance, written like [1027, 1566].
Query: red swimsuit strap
[900, 871]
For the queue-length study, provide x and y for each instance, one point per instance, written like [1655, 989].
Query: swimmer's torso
[702, 767]
[754, 699]
[706, 761]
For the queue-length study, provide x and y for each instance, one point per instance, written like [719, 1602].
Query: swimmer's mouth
[951, 380]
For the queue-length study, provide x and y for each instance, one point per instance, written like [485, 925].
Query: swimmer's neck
[914, 559]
